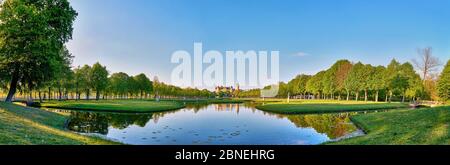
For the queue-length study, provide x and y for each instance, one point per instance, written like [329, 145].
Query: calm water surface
[214, 124]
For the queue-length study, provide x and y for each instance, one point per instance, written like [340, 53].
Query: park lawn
[127, 106]
[326, 107]
[426, 126]
[23, 125]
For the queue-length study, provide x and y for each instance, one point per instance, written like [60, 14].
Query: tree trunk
[77, 93]
[87, 94]
[30, 96]
[390, 96]
[357, 96]
[365, 95]
[348, 95]
[97, 95]
[376, 96]
[12, 88]
[40, 97]
[49, 93]
[59, 94]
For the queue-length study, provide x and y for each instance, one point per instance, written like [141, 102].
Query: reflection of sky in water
[224, 124]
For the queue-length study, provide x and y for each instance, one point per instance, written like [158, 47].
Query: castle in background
[223, 91]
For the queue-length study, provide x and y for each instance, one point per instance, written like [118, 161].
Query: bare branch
[427, 64]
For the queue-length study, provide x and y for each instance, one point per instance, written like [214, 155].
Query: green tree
[414, 86]
[132, 87]
[389, 77]
[298, 84]
[119, 84]
[315, 84]
[343, 69]
[354, 80]
[443, 86]
[366, 75]
[85, 77]
[144, 85]
[80, 81]
[98, 79]
[32, 35]
[376, 80]
[335, 76]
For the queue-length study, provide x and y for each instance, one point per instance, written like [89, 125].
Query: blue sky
[140, 35]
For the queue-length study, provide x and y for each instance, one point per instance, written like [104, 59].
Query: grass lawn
[307, 107]
[419, 126]
[23, 126]
[131, 106]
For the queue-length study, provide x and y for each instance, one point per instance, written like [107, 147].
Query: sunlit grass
[22, 125]
[305, 107]
[115, 105]
[418, 126]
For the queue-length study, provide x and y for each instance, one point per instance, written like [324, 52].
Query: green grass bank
[326, 107]
[425, 126]
[124, 106]
[31, 126]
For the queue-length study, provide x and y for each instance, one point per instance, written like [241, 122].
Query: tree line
[345, 80]
[86, 81]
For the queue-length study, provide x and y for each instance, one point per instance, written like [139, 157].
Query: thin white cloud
[300, 54]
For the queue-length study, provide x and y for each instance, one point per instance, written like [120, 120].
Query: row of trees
[345, 78]
[87, 80]
[170, 91]
[363, 81]
[84, 82]
[358, 81]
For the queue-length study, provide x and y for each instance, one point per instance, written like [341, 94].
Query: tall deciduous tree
[298, 84]
[85, 75]
[443, 86]
[389, 77]
[144, 85]
[98, 79]
[426, 64]
[315, 84]
[32, 35]
[353, 82]
[335, 76]
[342, 72]
[119, 84]
[376, 81]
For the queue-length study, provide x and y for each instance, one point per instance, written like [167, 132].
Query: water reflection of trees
[333, 125]
[92, 122]
[197, 107]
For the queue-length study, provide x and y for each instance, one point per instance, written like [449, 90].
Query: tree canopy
[32, 37]
[443, 86]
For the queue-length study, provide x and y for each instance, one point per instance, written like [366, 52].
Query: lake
[218, 124]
